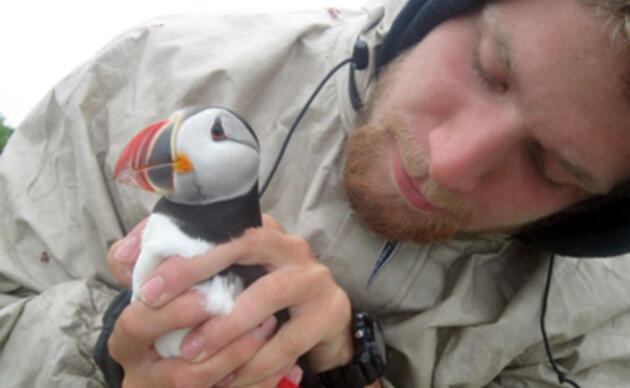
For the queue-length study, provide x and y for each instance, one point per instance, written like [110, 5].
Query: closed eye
[488, 81]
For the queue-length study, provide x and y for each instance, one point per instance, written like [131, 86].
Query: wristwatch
[369, 359]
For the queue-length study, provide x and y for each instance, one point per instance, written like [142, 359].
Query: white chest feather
[162, 238]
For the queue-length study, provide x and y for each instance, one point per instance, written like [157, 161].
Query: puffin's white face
[197, 156]
[224, 156]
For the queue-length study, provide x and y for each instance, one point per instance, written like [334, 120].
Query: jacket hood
[415, 20]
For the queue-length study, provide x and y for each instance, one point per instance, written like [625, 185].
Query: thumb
[123, 254]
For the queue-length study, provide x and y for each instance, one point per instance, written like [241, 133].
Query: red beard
[380, 205]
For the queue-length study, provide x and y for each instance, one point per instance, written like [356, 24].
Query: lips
[407, 187]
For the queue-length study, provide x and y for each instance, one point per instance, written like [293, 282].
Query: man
[499, 117]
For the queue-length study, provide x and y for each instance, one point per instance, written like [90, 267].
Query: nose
[470, 148]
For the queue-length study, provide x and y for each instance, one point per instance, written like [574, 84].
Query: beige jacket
[462, 314]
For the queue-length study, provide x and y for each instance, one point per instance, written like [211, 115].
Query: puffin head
[197, 156]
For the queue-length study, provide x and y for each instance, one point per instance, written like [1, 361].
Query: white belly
[162, 238]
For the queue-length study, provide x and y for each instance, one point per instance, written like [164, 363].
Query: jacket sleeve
[58, 220]
[112, 370]
[46, 339]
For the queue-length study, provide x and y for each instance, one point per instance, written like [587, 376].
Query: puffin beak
[150, 159]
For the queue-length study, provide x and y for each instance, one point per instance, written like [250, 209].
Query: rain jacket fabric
[460, 314]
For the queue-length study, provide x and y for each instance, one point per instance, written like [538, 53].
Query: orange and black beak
[150, 159]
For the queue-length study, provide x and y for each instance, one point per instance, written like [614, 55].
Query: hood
[389, 29]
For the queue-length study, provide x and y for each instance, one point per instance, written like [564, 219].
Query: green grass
[5, 133]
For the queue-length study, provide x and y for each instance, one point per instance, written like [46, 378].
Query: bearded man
[430, 191]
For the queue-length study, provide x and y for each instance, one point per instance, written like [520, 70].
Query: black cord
[562, 378]
[297, 121]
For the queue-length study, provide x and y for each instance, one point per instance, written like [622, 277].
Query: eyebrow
[490, 22]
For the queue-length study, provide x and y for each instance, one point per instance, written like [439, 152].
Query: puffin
[203, 161]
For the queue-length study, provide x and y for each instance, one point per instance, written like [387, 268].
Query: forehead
[569, 79]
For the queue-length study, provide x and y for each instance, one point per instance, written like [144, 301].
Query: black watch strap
[347, 376]
[369, 360]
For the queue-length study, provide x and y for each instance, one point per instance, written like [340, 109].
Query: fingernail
[295, 375]
[127, 248]
[152, 290]
[265, 330]
[225, 381]
[292, 379]
[192, 346]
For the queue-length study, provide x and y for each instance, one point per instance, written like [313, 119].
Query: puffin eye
[218, 132]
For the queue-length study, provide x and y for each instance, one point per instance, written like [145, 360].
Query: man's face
[494, 120]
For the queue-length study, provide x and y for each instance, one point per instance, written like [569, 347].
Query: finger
[139, 326]
[287, 345]
[175, 276]
[257, 246]
[324, 330]
[221, 367]
[291, 379]
[269, 248]
[270, 222]
[278, 290]
[123, 254]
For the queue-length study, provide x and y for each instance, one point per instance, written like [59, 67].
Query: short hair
[616, 15]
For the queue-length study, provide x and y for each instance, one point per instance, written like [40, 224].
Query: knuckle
[112, 249]
[179, 275]
[184, 378]
[321, 272]
[342, 309]
[276, 293]
[299, 246]
[240, 352]
[291, 344]
[175, 268]
[270, 221]
[259, 368]
[250, 239]
[319, 278]
[130, 326]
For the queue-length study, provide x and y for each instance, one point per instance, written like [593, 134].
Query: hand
[319, 308]
[138, 327]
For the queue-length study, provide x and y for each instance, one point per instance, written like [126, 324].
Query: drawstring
[562, 378]
[287, 138]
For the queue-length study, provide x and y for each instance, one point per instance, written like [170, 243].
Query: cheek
[430, 82]
[433, 82]
[521, 201]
